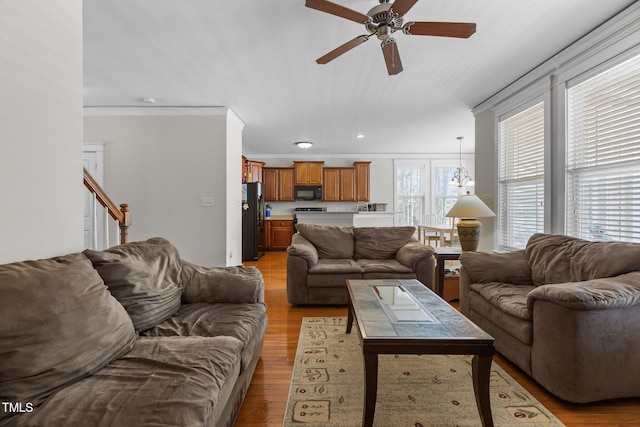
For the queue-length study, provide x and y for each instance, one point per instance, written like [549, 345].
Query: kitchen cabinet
[251, 170]
[279, 234]
[308, 173]
[254, 171]
[362, 181]
[339, 184]
[278, 184]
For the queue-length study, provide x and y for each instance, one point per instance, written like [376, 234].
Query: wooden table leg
[370, 387]
[349, 313]
[481, 372]
[440, 281]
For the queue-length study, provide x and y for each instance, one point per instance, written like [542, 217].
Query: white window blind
[603, 155]
[521, 177]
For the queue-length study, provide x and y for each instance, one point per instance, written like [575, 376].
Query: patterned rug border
[326, 386]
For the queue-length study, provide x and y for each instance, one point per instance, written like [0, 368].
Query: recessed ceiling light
[360, 136]
[304, 144]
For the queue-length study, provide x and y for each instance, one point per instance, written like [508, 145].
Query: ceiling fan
[382, 21]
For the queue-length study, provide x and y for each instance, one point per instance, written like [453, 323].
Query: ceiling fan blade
[342, 49]
[391, 56]
[402, 6]
[337, 10]
[443, 29]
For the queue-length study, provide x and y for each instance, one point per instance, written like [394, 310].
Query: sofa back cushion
[331, 241]
[380, 242]
[559, 259]
[144, 277]
[58, 324]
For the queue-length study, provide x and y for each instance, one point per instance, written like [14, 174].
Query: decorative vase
[469, 233]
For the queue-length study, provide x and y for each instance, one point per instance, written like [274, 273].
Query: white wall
[233, 190]
[486, 174]
[163, 163]
[41, 189]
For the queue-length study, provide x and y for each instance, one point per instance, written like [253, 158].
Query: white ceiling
[258, 57]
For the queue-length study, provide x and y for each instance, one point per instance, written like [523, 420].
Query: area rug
[327, 386]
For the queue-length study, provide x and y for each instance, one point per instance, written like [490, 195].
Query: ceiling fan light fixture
[304, 144]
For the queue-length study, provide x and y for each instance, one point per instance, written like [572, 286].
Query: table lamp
[469, 208]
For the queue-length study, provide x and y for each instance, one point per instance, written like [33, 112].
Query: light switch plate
[208, 201]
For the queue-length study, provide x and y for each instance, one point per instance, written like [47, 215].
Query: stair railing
[121, 215]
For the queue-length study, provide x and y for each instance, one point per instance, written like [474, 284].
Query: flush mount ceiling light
[149, 100]
[360, 136]
[304, 144]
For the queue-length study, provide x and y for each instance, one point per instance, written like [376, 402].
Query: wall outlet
[208, 201]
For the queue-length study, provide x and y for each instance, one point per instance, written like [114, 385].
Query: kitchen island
[348, 218]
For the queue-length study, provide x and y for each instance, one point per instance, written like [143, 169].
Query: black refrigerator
[252, 219]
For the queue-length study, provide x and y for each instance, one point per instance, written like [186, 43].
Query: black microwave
[308, 192]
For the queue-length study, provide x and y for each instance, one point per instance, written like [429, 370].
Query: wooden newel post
[125, 223]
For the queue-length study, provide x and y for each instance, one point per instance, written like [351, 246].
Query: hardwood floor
[267, 396]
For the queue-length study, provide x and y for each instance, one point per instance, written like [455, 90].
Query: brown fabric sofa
[129, 336]
[322, 257]
[565, 310]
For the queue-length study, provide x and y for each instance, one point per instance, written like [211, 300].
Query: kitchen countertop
[279, 218]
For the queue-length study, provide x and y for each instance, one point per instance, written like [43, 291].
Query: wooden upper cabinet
[251, 170]
[254, 171]
[331, 186]
[270, 184]
[278, 184]
[362, 181]
[339, 184]
[285, 185]
[348, 184]
[308, 173]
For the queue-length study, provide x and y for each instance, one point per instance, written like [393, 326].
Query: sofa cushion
[335, 266]
[245, 322]
[383, 266]
[507, 297]
[178, 381]
[331, 241]
[380, 242]
[144, 277]
[559, 259]
[58, 324]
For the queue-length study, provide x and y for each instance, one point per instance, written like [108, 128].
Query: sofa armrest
[303, 248]
[410, 254]
[598, 294]
[221, 284]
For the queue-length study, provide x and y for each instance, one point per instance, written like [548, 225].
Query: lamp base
[469, 233]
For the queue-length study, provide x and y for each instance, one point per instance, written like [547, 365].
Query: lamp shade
[469, 206]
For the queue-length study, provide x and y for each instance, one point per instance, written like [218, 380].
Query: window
[444, 194]
[423, 194]
[521, 177]
[603, 155]
[410, 194]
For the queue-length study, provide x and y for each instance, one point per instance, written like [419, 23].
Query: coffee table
[406, 317]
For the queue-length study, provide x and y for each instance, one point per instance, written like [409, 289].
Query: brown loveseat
[322, 257]
[129, 336]
[565, 310]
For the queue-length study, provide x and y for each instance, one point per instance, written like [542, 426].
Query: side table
[442, 254]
